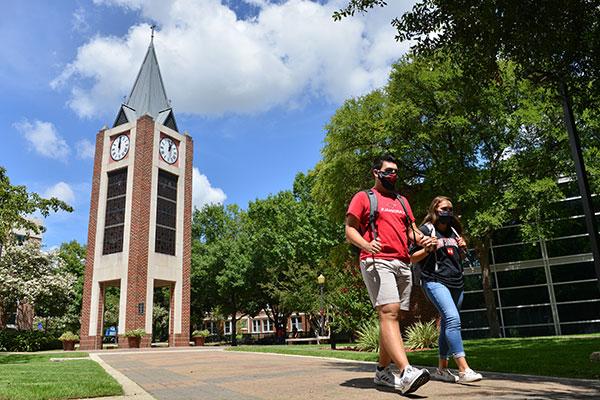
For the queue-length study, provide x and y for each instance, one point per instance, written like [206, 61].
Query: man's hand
[373, 247]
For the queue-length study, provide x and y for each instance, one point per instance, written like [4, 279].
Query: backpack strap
[373, 211]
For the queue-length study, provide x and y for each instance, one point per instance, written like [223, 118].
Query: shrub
[11, 340]
[368, 336]
[422, 335]
[201, 333]
[68, 336]
[138, 333]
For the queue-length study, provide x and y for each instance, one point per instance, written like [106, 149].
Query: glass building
[543, 287]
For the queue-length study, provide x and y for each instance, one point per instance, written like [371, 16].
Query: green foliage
[368, 336]
[73, 255]
[68, 336]
[16, 203]
[422, 335]
[137, 333]
[11, 340]
[201, 333]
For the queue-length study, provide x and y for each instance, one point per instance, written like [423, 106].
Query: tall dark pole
[322, 313]
[582, 180]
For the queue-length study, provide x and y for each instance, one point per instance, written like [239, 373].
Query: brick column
[183, 339]
[90, 342]
[137, 273]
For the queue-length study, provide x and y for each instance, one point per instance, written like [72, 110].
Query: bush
[68, 336]
[201, 333]
[368, 336]
[422, 335]
[138, 333]
[11, 340]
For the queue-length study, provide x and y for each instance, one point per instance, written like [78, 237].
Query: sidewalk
[216, 374]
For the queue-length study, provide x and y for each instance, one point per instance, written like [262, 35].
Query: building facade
[543, 287]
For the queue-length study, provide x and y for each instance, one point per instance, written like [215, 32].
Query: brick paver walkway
[211, 374]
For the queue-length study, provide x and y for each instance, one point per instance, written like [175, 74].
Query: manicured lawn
[34, 377]
[562, 356]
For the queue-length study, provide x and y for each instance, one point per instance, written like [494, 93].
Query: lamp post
[321, 281]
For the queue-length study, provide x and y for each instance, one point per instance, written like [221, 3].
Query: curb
[131, 389]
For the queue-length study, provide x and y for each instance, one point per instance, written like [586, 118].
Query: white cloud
[78, 21]
[203, 193]
[44, 139]
[85, 149]
[214, 63]
[61, 191]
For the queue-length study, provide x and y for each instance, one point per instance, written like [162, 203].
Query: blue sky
[254, 82]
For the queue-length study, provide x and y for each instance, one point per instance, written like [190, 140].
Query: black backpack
[374, 214]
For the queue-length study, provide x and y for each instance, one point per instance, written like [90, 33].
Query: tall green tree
[73, 254]
[291, 237]
[553, 43]
[497, 150]
[16, 203]
[223, 275]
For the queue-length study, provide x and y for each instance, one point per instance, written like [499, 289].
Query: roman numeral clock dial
[119, 147]
[168, 150]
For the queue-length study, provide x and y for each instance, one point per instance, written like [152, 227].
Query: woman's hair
[433, 217]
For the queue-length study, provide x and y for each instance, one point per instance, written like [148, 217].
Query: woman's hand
[462, 243]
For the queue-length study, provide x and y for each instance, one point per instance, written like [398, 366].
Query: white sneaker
[413, 378]
[386, 377]
[469, 376]
[444, 375]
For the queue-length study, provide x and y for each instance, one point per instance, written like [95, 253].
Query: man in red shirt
[384, 264]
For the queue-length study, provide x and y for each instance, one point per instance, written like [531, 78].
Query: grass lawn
[33, 376]
[562, 356]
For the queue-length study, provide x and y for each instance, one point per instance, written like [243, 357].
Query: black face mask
[388, 180]
[445, 217]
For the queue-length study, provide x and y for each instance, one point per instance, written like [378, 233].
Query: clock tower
[139, 235]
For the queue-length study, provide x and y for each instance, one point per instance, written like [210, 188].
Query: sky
[255, 83]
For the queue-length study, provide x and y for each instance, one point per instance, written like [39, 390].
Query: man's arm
[353, 236]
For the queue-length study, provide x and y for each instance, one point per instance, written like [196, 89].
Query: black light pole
[321, 281]
[582, 180]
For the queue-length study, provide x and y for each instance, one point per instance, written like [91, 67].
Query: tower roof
[148, 95]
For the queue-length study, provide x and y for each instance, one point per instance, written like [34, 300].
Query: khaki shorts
[388, 281]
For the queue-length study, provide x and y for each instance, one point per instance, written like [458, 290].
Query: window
[166, 213]
[114, 218]
[255, 325]
[228, 327]
[211, 326]
[297, 323]
[267, 327]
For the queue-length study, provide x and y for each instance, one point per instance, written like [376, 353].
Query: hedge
[12, 340]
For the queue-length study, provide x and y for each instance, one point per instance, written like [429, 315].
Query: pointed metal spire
[148, 95]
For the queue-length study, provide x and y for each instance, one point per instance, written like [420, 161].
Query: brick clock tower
[139, 234]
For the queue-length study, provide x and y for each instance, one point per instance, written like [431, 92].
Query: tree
[223, 275]
[553, 43]
[291, 237]
[28, 275]
[73, 255]
[496, 150]
[16, 203]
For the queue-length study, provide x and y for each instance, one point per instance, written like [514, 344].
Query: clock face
[168, 150]
[119, 147]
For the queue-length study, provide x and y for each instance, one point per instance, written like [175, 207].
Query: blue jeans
[447, 301]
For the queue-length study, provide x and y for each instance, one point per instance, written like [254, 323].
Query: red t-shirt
[391, 225]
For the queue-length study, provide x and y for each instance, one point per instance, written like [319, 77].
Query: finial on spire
[152, 34]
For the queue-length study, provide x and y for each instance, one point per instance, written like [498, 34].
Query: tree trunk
[483, 248]
[3, 317]
[25, 315]
[234, 329]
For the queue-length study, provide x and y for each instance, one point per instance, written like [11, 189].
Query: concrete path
[224, 375]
